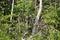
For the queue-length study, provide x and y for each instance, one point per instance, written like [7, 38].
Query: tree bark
[12, 9]
[34, 30]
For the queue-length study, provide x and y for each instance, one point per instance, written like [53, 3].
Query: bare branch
[12, 9]
[37, 17]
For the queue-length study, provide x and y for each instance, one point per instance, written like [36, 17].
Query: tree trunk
[12, 9]
[37, 18]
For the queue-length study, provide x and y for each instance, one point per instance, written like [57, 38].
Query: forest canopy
[30, 19]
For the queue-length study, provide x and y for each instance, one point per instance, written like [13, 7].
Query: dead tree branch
[37, 17]
[12, 9]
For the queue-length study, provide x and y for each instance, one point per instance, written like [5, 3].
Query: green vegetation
[23, 19]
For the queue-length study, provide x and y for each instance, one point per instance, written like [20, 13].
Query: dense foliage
[23, 17]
